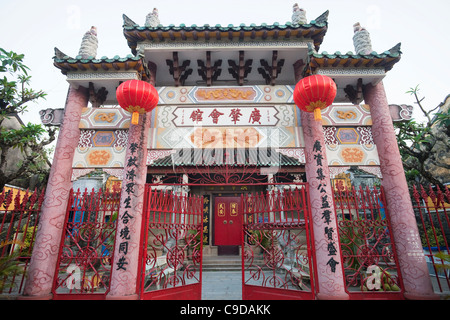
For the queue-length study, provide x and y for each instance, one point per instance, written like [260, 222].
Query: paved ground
[218, 285]
[227, 285]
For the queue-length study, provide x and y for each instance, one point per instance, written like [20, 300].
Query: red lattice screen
[368, 250]
[277, 245]
[172, 245]
[87, 245]
[432, 207]
[19, 217]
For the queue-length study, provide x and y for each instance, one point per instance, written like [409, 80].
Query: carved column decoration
[331, 278]
[48, 237]
[329, 262]
[411, 258]
[126, 255]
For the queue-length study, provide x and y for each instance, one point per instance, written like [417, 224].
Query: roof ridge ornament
[298, 15]
[88, 48]
[89, 44]
[152, 19]
[323, 18]
[361, 40]
[127, 22]
[396, 49]
[61, 55]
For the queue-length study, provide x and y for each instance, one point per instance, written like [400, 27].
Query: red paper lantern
[314, 93]
[137, 97]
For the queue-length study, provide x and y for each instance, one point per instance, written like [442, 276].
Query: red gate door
[228, 221]
[277, 246]
[85, 258]
[171, 266]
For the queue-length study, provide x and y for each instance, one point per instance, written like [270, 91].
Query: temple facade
[227, 131]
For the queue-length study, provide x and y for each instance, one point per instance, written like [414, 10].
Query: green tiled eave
[230, 27]
[314, 30]
[91, 64]
[386, 59]
[79, 59]
[281, 160]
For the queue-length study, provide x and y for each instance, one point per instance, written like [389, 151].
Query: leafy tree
[30, 139]
[420, 142]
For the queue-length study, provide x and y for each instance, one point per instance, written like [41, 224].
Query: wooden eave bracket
[241, 70]
[271, 72]
[207, 72]
[354, 94]
[179, 73]
[97, 97]
[151, 71]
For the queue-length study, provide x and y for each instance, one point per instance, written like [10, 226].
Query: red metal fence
[172, 245]
[87, 245]
[432, 207]
[19, 217]
[370, 262]
[84, 265]
[277, 259]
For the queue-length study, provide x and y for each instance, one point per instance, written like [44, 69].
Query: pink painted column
[125, 276]
[406, 234]
[46, 248]
[330, 273]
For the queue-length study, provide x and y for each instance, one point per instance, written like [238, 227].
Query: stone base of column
[324, 296]
[128, 297]
[39, 297]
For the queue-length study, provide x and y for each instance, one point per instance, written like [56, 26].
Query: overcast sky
[34, 28]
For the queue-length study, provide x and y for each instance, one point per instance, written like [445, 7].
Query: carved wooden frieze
[348, 136]
[105, 118]
[346, 115]
[101, 149]
[226, 94]
[352, 155]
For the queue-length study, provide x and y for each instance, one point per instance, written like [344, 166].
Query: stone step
[221, 268]
[222, 263]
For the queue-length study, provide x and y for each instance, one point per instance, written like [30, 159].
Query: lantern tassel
[135, 118]
[317, 114]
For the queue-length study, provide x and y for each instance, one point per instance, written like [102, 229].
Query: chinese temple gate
[227, 164]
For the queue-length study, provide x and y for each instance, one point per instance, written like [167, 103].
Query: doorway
[227, 224]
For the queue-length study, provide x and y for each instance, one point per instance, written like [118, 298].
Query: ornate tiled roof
[314, 30]
[68, 64]
[385, 60]
[199, 157]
